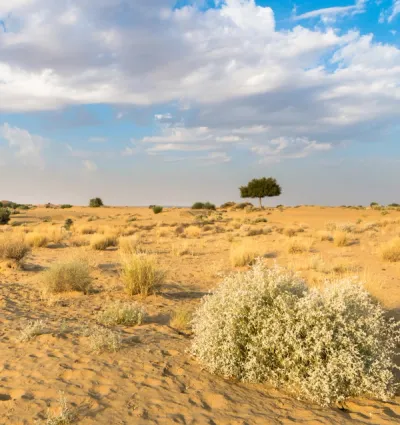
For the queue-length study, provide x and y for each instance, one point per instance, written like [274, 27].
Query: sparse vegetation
[31, 330]
[5, 215]
[203, 206]
[390, 251]
[244, 254]
[96, 203]
[103, 339]
[102, 242]
[181, 319]
[64, 415]
[14, 248]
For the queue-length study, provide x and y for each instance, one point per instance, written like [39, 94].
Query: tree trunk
[260, 202]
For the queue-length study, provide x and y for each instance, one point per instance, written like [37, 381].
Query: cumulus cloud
[26, 146]
[395, 10]
[238, 79]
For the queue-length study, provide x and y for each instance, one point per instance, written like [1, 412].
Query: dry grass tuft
[14, 248]
[192, 231]
[64, 415]
[103, 339]
[73, 275]
[32, 329]
[341, 239]
[36, 240]
[181, 319]
[119, 313]
[324, 235]
[140, 274]
[102, 242]
[244, 254]
[391, 250]
[130, 245]
[299, 245]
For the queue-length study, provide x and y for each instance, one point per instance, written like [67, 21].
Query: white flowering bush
[325, 345]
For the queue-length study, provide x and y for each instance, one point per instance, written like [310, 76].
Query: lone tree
[96, 203]
[260, 188]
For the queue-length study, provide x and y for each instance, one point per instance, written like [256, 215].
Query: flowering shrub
[324, 345]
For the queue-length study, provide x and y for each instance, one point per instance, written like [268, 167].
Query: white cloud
[395, 10]
[329, 14]
[26, 146]
[89, 165]
[214, 158]
[98, 139]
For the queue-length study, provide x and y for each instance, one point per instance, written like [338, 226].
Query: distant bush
[65, 206]
[203, 206]
[68, 223]
[324, 345]
[102, 242]
[228, 204]
[4, 215]
[72, 275]
[157, 209]
[96, 203]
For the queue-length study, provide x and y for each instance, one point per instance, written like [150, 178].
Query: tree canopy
[96, 203]
[261, 188]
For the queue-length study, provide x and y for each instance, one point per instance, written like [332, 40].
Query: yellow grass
[390, 251]
[244, 254]
[299, 245]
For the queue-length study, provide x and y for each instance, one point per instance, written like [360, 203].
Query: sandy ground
[153, 380]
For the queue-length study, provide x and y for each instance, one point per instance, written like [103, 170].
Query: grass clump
[130, 245]
[72, 275]
[341, 239]
[391, 250]
[120, 313]
[32, 329]
[298, 245]
[64, 415]
[324, 345]
[37, 240]
[103, 339]
[13, 248]
[181, 319]
[244, 254]
[102, 242]
[140, 274]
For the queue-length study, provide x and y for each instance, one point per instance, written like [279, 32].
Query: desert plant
[131, 245]
[299, 245]
[72, 275]
[341, 239]
[119, 313]
[260, 188]
[181, 319]
[96, 203]
[68, 223]
[5, 215]
[13, 248]
[157, 209]
[65, 206]
[390, 251]
[103, 339]
[31, 330]
[244, 254]
[64, 415]
[324, 345]
[140, 274]
[102, 242]
[37, 240]
[203, 206]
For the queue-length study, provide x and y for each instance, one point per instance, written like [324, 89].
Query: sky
[171, 102]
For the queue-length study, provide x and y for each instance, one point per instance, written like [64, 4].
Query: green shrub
[324, 345]
[203, 206]
[4, 215]
[157, 209]
[68, 223]
[120, 313]
[95, 203]
[65, 206]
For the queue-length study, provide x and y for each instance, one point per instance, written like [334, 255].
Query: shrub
[68, 223]
[203, 206]
[299, 245]
[31, 330]
[37, 240]
[157, 209]
[192, 231]
[120, 313]
[4, 215]
[96, 203]
[341, 239]
[103, 339]
[65, 206]
[102, 242]
[391, 250]
[181, 319]
[244, 254]
[229, 204]
[140, 274]
[13, 248]
[72, 275]
[130, 245]
[323, 345]
[65, 414]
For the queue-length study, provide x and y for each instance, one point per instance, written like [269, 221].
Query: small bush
[120, 313]
[5, 215]
[192, 231]
[64, 415]
[203, 206]
[391, 251]
[324, 345]
[37, 240]
[157, 209]
[68, 223]
[13, 248]
[66, 206]
[96, 203]
[32, 329]
[341, 239]
[299, 245]
[140, 274]
[102, 242]
[103, 339]
[73, 275]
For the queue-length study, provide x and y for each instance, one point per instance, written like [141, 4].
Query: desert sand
[153, 379]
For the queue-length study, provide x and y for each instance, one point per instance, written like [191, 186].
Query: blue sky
[172, 102]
